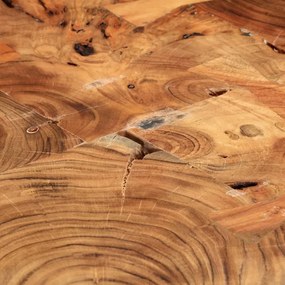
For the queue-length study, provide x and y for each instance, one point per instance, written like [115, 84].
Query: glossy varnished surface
[141, 142]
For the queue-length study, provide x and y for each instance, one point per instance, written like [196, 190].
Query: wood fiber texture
[142, 142]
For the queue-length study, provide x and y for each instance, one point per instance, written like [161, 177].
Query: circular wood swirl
[161, 235]
[30, 135]
[185, 143]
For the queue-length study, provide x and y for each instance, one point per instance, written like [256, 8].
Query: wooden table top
[142, 142]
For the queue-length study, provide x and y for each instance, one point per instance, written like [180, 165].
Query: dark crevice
[187, 36]
[146, 147]
[131, 86]
[103, 26]
[48, 11]
[80, 30]
[139, 29]
[242, 185]
[217, 92]
[53, 122]
[63, 24]
[8, 3]
[275, 48]
[42, 3]
[35, 18]
[246, 34]
[72, 63]
[84, 49]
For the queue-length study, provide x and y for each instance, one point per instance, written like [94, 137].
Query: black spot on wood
[53, 122]
[151, 123]
[131, 86]
[103, 26]
[187, 36]
[139, 29]
[242, 185]
[8, 3]
[76, 30]
[275, 48]
[63, 24]
[72, 63]
[84, 49]
[217, 92]
[48, 11]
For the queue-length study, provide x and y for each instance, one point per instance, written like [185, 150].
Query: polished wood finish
[142, 142]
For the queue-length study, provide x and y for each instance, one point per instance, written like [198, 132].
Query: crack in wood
[136, 148]
[274, 47]
[215, 92]
[145, 149]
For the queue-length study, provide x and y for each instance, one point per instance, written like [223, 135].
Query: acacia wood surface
[142, 142]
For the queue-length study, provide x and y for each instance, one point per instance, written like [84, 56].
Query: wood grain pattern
[253, 220]
[80, 227]
[142, 142]
[149, 11]
[264, 17]
[27, 136]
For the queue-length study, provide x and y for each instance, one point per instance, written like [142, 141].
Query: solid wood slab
[142, 142]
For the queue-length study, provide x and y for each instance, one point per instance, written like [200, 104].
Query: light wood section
[253, 221]
[149, 10]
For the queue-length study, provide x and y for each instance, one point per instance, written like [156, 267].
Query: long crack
[145, 149]
[127, 174]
